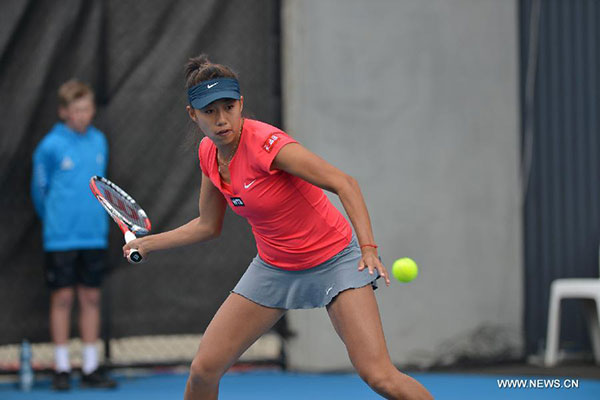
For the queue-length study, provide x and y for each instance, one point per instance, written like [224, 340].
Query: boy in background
[75, 229]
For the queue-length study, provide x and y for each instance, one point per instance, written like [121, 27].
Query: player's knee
[203, 373]
[383, 378]
[89, 298]
[380, 381]
[391, 383]
[62, 298]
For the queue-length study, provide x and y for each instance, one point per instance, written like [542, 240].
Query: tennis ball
[405, 269]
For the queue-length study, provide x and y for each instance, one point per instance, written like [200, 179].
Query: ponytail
[199, 69]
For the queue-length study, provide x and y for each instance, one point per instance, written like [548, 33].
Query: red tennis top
[294, 224]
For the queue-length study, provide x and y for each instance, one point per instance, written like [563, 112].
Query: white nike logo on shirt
[248, 185]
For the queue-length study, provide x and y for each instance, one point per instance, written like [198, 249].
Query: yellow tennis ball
[405, 269]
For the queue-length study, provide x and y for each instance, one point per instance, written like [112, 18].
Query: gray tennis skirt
[310, 288]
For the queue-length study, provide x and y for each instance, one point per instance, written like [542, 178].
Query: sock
[61, 358]
[90, 359]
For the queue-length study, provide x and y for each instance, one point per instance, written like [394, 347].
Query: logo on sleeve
[237, 201]
[270, 142]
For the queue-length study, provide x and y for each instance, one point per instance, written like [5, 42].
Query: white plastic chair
[573, 288]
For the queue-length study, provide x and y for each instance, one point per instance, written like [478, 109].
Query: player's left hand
[371, 261]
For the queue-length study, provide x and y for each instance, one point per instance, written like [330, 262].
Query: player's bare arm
[299, 161]
[205, 227]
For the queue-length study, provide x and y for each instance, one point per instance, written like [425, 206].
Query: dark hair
[199, 69]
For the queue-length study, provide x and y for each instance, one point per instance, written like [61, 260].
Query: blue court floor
[265, 385]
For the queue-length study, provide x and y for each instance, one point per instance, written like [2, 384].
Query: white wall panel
[418, 100]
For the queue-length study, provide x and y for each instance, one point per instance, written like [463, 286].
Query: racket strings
[127, 209]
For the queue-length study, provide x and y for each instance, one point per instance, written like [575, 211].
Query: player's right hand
[137, 244]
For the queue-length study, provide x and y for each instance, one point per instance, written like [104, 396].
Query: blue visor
[206, 92]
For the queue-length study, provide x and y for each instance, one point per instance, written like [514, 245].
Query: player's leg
[89, 327]
[89, 313]
[59, 271]
[61, 302]
[91, 266]
[60, 279]
[90, 273]
[237, 324]
[355, 317]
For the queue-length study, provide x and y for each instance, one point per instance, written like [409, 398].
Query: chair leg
[553, 329]
[592, 311]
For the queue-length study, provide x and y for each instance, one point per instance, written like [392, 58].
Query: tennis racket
[124, 211]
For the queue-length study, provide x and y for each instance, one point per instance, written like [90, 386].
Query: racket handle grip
[134, 256]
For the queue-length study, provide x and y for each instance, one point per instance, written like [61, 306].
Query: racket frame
[130, 230]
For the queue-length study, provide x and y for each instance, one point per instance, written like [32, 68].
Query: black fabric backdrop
[132, 53]
[562, 209]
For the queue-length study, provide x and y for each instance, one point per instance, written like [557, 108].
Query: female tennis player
[307, 254]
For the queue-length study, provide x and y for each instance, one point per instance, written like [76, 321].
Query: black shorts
[75, 267]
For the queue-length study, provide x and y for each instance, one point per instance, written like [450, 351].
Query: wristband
[369, 245]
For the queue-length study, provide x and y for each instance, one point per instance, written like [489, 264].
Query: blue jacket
[63, 163]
